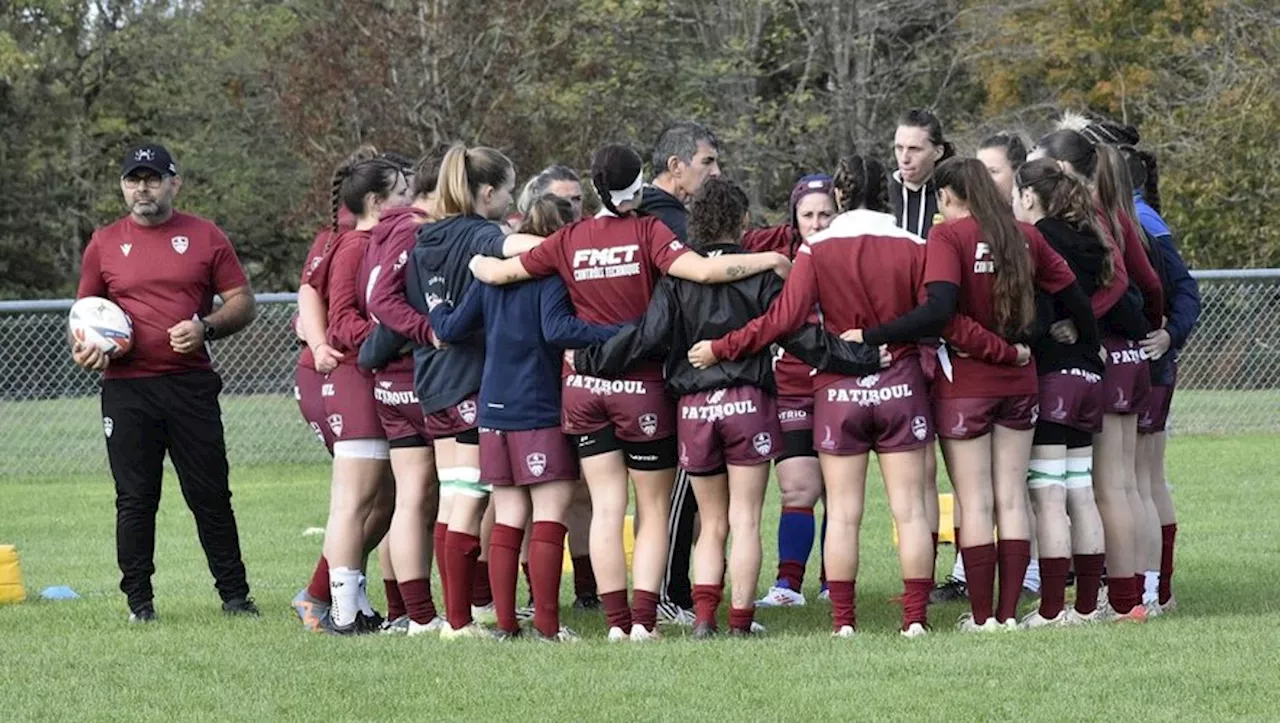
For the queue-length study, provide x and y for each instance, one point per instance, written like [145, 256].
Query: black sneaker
[705, 631]
[362, 625]
[142, 614]
[951, 590]
[587, 602]
[503, 636]
[241, 606]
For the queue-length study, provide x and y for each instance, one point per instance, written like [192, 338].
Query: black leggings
[1048, 433]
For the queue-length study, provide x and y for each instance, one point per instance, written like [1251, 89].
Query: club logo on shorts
[180, 243]
[467, 410]
[649, 423]
[763, 443]
[384, 384]
[335, 423]
[684, 454]
[959, 429]
[319, 432]
[108, 426]
[869, 381]
[1121, 402]
[1059, 412]
[537, 463]
[920, 428]
[297, 393]
[828, 442]
[715, 397]
[1035, 414]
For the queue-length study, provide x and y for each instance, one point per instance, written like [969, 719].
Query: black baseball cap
[151, 156]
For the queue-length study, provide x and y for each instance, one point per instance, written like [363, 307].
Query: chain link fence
[50, 422]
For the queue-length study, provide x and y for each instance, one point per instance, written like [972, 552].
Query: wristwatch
[210, 331]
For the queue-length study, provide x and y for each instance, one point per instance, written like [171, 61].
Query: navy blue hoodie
[1181, 292]
[667, 208]
[444, 377]
[527, 327]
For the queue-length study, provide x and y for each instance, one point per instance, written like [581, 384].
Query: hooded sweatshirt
[913, 210]
[667, 208]
[445, 377]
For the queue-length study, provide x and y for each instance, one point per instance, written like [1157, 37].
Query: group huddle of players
[506, 380]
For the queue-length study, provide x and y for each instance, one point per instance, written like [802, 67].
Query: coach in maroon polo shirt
[163, 268]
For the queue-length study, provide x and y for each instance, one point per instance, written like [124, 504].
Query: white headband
[630, 192]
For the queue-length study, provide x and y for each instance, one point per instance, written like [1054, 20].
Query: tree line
[259, 99]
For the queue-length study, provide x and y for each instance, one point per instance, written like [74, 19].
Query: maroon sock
[616, 610]
[1014, 557]
[915, 601]
[1088, 581]
[1120, 593]
[417, 600]
[461, 553]
[980, 575]
[318, 588]
[584, 577]
[706, 601]
[438, 535]
[740, 619]
[546, 561]
[843, 603]
[1167, 535]
[504, 568]
[792, 573]
[528, 578]
[1053, 585]
[481, 593]
[644, 609]
[395, 601]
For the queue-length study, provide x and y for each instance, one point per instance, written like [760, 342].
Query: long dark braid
[340, 175]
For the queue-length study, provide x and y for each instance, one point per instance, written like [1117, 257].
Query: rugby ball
[101, 323]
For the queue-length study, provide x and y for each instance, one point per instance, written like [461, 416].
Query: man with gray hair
[557, 180]
[685, 156]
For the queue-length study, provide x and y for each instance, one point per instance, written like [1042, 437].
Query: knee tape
[1079, 474]
[1047, 473]
[466, 482]
[361, 449]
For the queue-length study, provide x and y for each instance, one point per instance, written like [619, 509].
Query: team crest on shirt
[467, 410]
[126, 248]
[315, 263]
[108, 426]
[537, 463]
[180, 243]
[920, 428]
[869, 381]
[401, 261]
[763, 442]
[335, 423]
[649, 423]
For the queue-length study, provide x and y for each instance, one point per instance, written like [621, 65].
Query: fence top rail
[31, 306]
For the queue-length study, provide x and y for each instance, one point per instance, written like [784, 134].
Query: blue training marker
[59, 592]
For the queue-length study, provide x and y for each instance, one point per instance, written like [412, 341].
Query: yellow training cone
[11, 590]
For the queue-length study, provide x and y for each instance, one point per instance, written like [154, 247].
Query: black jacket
[656, 202]
[913, 210]
[682, 313]
[1085, 254]
[444, 377]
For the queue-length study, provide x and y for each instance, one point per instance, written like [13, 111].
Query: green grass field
[1215, 658]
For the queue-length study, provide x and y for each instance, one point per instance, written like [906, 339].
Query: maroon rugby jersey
[794, 377]
[382, 278]
[320, 247]
[610, 265]
[348, 324]
[959, 254]
[160, 275]
[862, 270]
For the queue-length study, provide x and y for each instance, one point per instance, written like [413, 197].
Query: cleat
[1137, 614]
[845, 631]
[756, 630]
[503, 636]
[914, 630]
[1154, 610]
[143, 615]
[639, 634]
[399, 626]
[484, 614]
[524, 614]
[704, 631]
[587, 602]
[564, 635]
[618, 635]
[671, 614]
[950, 590]
[470, 630]
[241, 606]
[781, 597]
[967, 625]
[1169, 605]
[824, 595]
[1035, 620]
[1099, 615]
[362, 625]
[435, 625]
[313, 613]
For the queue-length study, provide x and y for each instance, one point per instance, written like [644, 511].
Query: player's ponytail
[1013, 292]
[1064, 196]
[616, 174]
[860, 182]
[1115, 190]
[340, 175]
[546, 215]
[463, 172]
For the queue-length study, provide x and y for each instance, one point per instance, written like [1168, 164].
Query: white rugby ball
[101, 323]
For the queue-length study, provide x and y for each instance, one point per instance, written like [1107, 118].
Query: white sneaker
[485, 615]
[399, 626]
[757, 628]
[1035, 620]
[474, 631]
[618, 635]
[671, 614]
[524, 614]
[967, 625]
[563, 635]
[781, 597]
[1100, 614]
[1169, 606]
[845, 631]
[915, 630]
[640, 634]
[434, 626]
[1153, 608]
[825, 596]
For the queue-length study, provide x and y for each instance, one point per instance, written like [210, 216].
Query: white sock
[365, 606]
[1031, 580]
[957, 570]
[344, 588]
[1150, 586]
